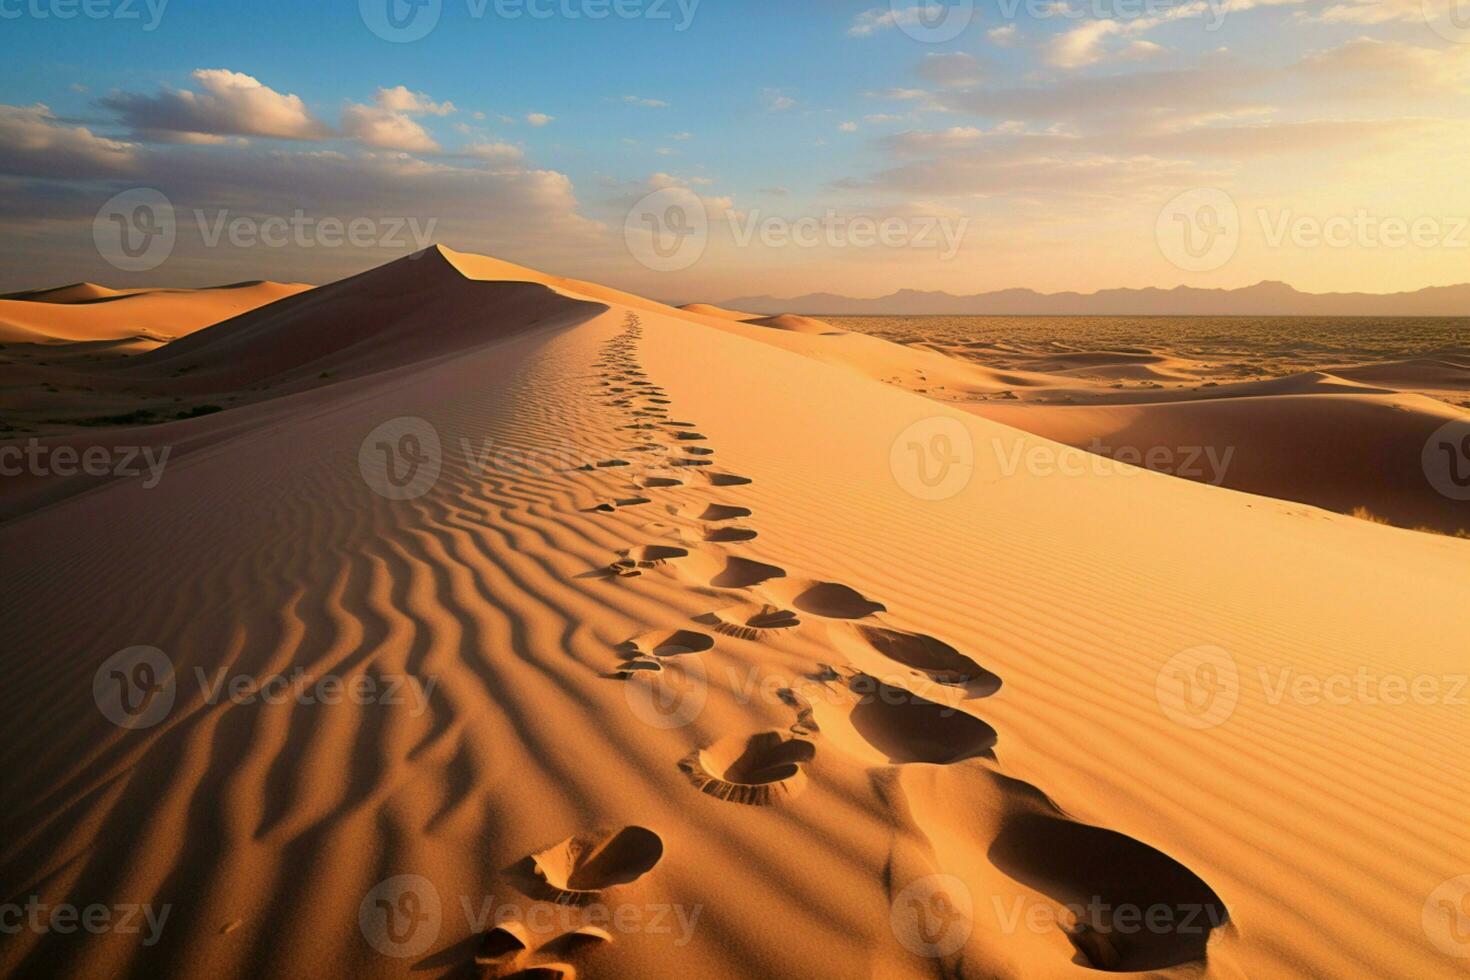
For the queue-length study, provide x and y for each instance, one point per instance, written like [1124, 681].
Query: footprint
[726, 480]
[691, 437]
[547, 971]
[578, 940]
[689, 462]
[711, 513]
[898, 727]
[663, 643]
[699, 451]
[828, 599]
[653, 555]
[609, 508]
[579, 869]
[749, 620]
[760, 770]
[724, 572]
[659, 483]
[729, 535]
[502, 946]
[937, 660]
[630, 669]
[1097, 871]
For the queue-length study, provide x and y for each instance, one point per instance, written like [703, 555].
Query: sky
[710, 149]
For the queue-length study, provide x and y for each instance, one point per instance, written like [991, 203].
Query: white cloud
[386, 130]
[389, 124]
[539, 119]
[644, 103]
[849, 127]
[228, 104]
[34, 143]
[400, 99]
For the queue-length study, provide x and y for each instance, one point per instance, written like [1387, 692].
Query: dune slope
[721, 662]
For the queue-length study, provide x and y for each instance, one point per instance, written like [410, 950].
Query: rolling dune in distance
[740, 626]
[85, 311]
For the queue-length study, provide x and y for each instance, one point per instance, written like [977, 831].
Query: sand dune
[880, 735]
[1348, 438]
[88, 312]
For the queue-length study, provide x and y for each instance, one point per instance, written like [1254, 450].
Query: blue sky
[1050, 137]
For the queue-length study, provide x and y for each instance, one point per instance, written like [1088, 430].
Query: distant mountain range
[1262, 299]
